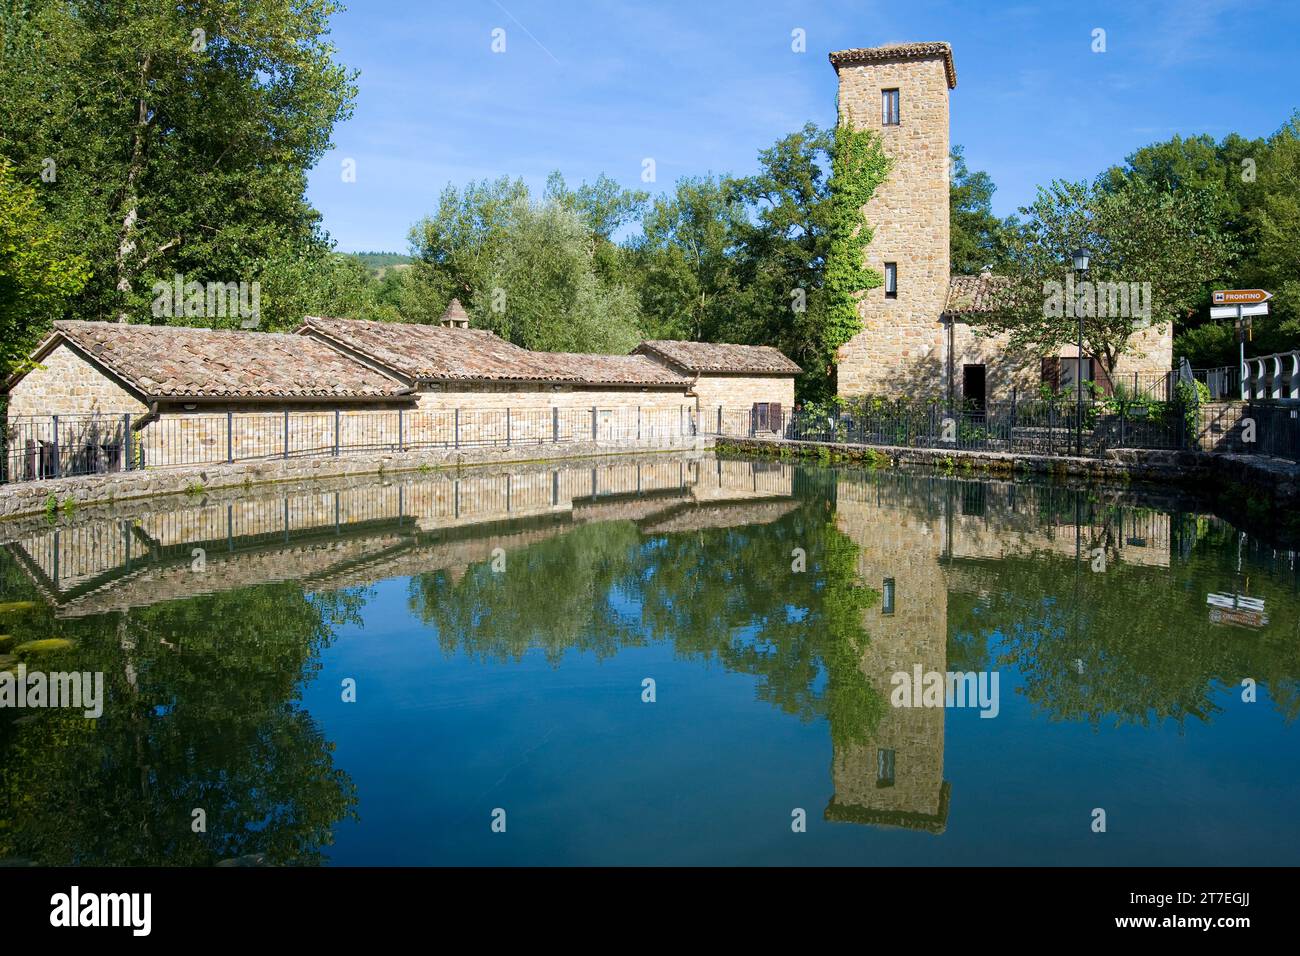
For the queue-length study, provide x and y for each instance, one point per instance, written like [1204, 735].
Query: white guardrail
[1271, 376]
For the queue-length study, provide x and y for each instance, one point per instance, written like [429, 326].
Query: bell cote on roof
[455, 317]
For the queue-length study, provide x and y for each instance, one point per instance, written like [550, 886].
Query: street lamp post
[1080, 257]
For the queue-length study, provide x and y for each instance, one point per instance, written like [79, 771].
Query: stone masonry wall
[253, 432]
[743, 391]
[620, 411]
[1151, 354]
[901, 347]
[438, 416]
[66, 384]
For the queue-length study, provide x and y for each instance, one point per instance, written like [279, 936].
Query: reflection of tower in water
[919, 537]
[895, 778]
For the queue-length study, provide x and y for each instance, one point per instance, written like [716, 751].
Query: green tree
[689, 272]
[174, 138]
[37, 272]
[301, 282]
[782, 249]
[858, 166]
[1274, 259]
[531, 272]
[1169, 242]
[456, 245]
[977, 237]
[544, 293]
[1251, 184]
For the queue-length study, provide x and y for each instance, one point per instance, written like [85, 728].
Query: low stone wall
[1151, 465]
[1273, 482]
[1217, 427]
[29, 498]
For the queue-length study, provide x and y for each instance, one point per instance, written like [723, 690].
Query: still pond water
[499, 632]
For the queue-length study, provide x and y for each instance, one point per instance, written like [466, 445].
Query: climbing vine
[858, 166]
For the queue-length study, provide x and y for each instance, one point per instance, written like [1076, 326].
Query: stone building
[731, 376]
[917, 338]
[452, 365]
[101, 393]
[99, 396]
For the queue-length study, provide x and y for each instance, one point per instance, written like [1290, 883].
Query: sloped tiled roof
[704, 516]
[439, 353]
[972, 294]
[175, 362]
[898, 51]
[719, 357]
[614, 369]
[435, 353]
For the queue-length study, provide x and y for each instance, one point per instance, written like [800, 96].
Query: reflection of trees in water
[726, 594]
[557, 595]
[1130, 645]
[200, 712]
[203, 694]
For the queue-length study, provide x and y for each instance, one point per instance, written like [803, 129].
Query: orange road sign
[1239, 296]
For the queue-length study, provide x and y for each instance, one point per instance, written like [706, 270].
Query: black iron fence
[56, 446]
[1275, 429]
[1047, 428]
[1224, 382]
[1152, 386]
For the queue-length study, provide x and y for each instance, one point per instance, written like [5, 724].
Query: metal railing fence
[55, 446]
[1047, 428]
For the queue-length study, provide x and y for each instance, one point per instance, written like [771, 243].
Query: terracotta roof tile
[163, 361]
[615, 369]
[972, 294]
[436, 353]
[898, 51]
[719, 357]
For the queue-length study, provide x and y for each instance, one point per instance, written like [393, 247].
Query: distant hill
[379, 261]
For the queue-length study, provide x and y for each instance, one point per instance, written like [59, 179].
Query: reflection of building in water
[920, 537]
[364, 533]
[896, 778]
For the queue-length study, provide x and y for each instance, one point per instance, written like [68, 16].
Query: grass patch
[44, 646]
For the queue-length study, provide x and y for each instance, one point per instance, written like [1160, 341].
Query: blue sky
[702, 86]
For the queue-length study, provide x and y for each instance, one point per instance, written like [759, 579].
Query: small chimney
[455, 317]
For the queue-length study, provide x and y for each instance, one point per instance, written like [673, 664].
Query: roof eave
[279, 399]
[853, 56]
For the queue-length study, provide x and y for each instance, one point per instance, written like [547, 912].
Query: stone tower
[901, 93]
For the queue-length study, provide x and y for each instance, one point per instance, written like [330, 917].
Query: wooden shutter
[774, 420]
[1052, 372]
[1102, 377]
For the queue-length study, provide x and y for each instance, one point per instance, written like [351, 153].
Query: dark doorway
[972, 386]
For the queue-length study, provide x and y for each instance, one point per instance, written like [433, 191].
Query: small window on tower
[889, 107]
[885, 760]
[891, 280]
